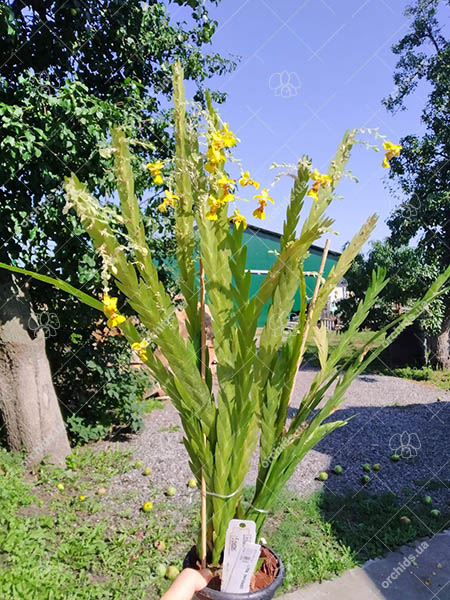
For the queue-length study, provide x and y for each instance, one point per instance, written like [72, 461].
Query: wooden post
[310, 312]
[203, 374]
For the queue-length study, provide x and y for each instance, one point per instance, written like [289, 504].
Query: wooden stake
[203, 374]
[310, 312]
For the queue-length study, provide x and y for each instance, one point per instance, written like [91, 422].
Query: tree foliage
[422, 172]
[70, 72]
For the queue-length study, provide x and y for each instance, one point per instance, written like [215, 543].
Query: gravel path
[388, 412]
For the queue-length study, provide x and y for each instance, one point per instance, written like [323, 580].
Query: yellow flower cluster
[170, 199]
[320, 180]
[155, 171]
[391, 151]
[224, 138]
[238, 219]
[141, 349]
[262, 198]
[110, 310]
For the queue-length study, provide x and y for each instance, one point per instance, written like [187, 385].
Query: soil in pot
[266, 573]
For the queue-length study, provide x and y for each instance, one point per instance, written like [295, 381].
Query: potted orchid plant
[239, 406]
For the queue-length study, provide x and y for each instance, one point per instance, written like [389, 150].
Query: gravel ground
[388, 413]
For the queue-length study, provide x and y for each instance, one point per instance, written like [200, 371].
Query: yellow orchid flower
[155, 171]
[109, 305]
[115, 320]
[226, 183]
[238, 219]
[228, 137]
[140, 349]
[320, 178]
[214, 204]
[391, 151]
[247, 180]
[259, 213]
[215, 157]
[313, 193]
[263, 196]
[170, 198]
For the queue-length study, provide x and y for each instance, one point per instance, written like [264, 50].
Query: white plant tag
[238, 533]
[239, 582]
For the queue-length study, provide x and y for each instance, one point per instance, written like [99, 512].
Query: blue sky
[309, 70]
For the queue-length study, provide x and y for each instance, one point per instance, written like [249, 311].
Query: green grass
[321, 536]
[54, 546]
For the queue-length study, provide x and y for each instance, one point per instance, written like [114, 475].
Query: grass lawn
[55, 545]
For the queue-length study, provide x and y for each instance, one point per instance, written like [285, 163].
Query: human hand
[187, 583]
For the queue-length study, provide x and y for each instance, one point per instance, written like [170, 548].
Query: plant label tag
[238, 533]
[239, 582]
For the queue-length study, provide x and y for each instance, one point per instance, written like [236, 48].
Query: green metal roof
[260, 256]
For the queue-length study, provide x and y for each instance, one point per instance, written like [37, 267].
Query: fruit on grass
[365, 479]
[160, 545]
[160, 570]
[147, 471]
[82, 498]
[171, 491]
[172, 572]
[338, 469]
[395, 458]
[60, 487]
[323, 476]
[366, 467]
[435, 513]
[192, 483]
[427, 500]
[138, 464]
[376, 467]
[147, 506]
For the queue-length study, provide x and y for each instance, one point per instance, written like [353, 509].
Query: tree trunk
[440, 344]
[29, 407]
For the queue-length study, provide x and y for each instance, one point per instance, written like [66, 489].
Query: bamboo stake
[203, 374]
[309, 315]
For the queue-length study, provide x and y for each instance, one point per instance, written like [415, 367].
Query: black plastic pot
[267, 593]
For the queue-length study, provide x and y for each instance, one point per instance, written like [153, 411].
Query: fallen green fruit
[427, 500]
[172, 573]
[147, 506]
[376, 467]
[147, 471]
[338, 469]
[323, 476]
[435, 513]
[171, 491]
[365, 479]
[366, 467]
[395, 458]
[138, 464]
[160, 570]
[60, 487]
[192, 483]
